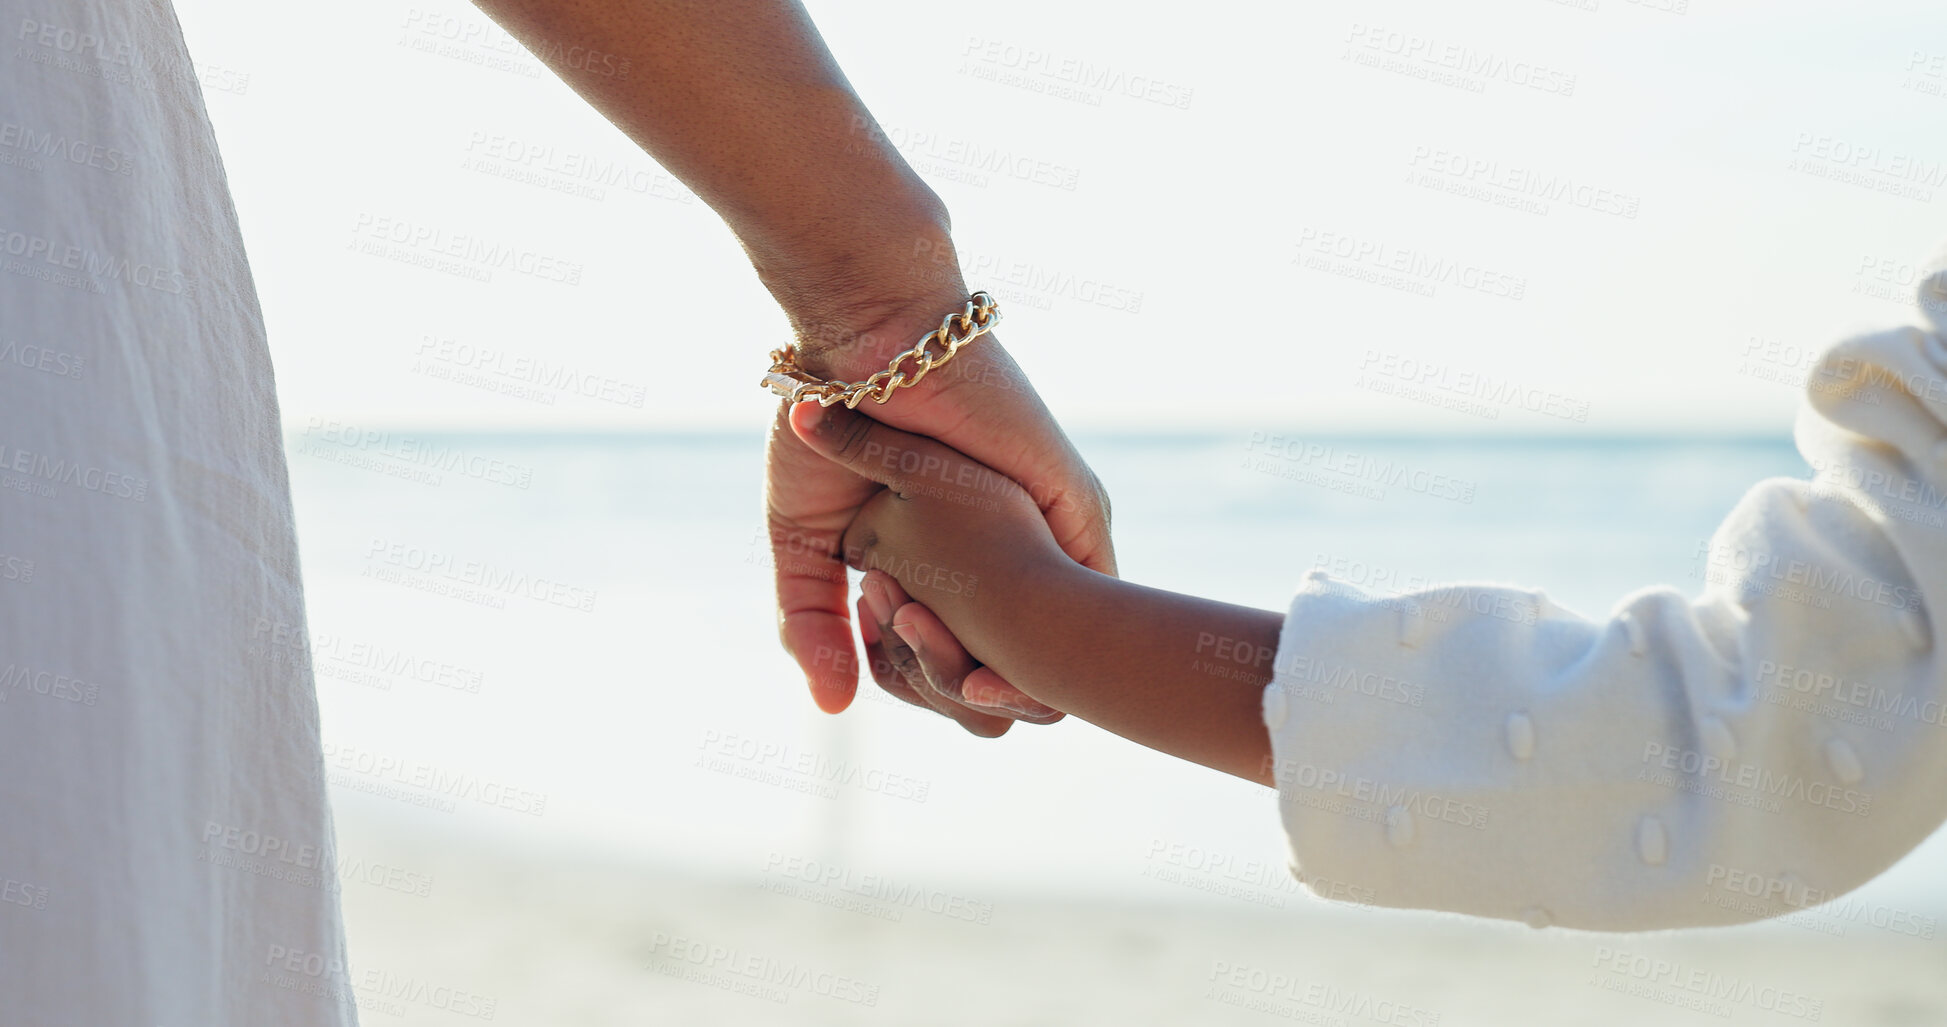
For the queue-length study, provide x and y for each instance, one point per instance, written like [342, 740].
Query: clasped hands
[954, 496]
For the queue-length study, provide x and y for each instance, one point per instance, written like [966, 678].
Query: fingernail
[827, 419]
[1029, 709]
[907, 634]
[877, 600]
[1002, 699]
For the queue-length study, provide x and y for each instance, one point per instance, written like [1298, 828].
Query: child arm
[1177, 673]
[1763, 747]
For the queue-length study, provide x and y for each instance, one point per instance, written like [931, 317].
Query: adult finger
[982, 405]
[808, 502]
[901, 461]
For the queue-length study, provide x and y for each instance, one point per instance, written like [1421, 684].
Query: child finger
[948, 666]
[884, 594]
[906, 666]
[986, 724]
[881, 594]
[880, 664]
[985, 687]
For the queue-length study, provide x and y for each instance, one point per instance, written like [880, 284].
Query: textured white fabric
[165, 845]
[1761, 748]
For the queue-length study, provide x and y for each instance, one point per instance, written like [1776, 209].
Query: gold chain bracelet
[796, 384]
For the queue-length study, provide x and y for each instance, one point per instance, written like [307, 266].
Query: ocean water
[628, 696]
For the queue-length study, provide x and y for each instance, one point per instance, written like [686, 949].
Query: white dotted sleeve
[1761, 748]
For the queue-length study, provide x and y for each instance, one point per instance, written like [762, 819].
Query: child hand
[905, 642]
[972, 547]
[960, 538]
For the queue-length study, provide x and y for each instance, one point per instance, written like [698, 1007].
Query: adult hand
[742, 100]
[980, 404]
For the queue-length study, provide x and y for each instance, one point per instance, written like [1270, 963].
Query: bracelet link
[789, 381]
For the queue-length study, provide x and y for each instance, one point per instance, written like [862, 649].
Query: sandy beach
[479, 931]
[685, 869]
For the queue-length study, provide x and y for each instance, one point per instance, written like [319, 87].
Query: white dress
[1759, 749]
[165, 844]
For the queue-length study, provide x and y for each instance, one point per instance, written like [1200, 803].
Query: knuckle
[906, 662]
[852, 435]
[859, 544]
[800, 554]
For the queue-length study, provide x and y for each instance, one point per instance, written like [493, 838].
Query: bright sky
[1325, 215]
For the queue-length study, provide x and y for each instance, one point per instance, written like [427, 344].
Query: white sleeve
[1766, 746]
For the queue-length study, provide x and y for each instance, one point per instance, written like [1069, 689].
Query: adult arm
[743, 102]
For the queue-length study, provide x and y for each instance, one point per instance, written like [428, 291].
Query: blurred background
[1571, 259]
